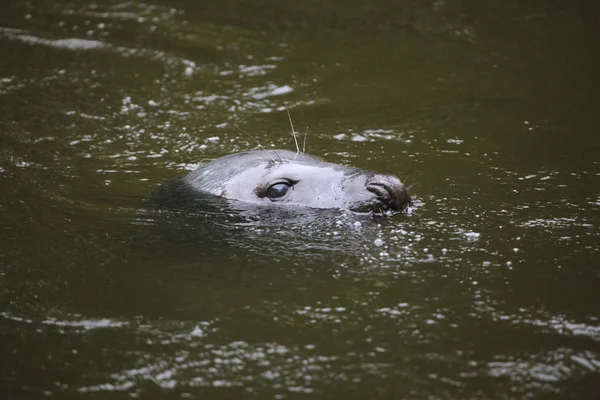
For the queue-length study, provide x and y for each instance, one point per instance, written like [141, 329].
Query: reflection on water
[486, 289]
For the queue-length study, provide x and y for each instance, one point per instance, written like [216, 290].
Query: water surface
[487, 288]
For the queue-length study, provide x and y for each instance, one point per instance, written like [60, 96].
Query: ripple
[69, 44]
[70, 321]
[545, 370]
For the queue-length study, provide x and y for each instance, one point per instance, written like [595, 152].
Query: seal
[284, 177]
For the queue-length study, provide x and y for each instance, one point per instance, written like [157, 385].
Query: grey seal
[284, 177]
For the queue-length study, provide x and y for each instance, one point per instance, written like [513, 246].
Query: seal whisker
[293, 131]
[261, 146]
[304, 144]
[412, 185]
[405, 182]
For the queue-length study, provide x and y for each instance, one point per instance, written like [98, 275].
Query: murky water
[488, 288]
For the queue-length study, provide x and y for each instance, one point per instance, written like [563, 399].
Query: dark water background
[489, 288]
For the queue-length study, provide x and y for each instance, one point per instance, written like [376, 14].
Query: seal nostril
[390, 192]
[381, 190]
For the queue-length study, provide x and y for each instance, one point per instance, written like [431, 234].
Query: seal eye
[278, 190]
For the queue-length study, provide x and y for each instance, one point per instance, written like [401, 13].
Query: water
[488, 288]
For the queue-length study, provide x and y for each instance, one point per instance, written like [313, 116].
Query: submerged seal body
[287, 177]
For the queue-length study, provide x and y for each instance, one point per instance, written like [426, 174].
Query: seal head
[290, 178]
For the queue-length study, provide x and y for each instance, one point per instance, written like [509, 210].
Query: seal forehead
[304, 169]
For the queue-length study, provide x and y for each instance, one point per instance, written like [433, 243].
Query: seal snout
[390, 191]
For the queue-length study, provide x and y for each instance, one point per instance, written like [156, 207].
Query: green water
[488, 288]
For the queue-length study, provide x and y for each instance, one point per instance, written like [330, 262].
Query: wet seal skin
[284, 177]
